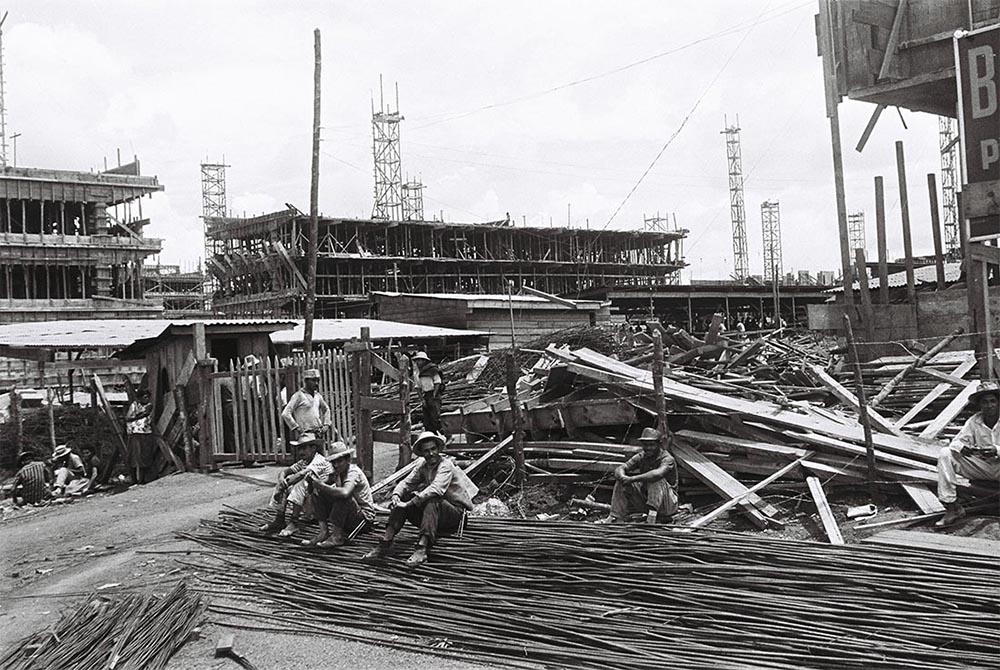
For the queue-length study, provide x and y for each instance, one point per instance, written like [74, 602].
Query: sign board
[977, 66]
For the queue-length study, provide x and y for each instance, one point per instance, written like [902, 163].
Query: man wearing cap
[343, 501]
[306, 411]
[434, 497]
[292, 487]
[31, 483]
[973, 454]
[427, 378]
[646, 482]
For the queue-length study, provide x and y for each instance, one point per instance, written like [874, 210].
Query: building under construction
[72, 244]
[181, 293]
[260, 262]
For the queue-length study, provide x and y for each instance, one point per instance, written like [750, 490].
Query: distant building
[181, 293]
[72, 244]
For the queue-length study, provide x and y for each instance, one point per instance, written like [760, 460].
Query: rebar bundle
[576, 595]
[125, 632]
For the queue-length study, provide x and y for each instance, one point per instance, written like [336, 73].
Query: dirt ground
[54, 557]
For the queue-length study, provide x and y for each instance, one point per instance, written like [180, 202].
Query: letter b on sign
[982, 79]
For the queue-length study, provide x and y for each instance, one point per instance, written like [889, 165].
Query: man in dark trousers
[973, 454]
[428, 380]
[646, 482]
[31, 483]
[434, 497]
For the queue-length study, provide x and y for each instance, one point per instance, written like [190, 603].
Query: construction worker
[427, 378]
[434, 497]
[342, 502]
[306, 411]
[973, 454]
[31, 483]
[292, 488]
[646, 482]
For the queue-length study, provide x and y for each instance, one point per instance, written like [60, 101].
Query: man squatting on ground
[292, 488]
[646, 482]
[973, 454]
[307, 411]
[342, 502]
[434, 497]
[31, 483]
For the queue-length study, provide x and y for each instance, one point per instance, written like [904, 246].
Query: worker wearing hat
[342, 501]
[429, 382]
[973, 454]
[306, 411]
[646, 482]
[69, 471]
[434, 497]
[292, 488]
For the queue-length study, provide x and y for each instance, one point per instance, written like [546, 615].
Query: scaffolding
[741, 260]
[770, 223]
[388, 175]
[413, 201]
[3, 100]
[261, 260]
[948, 138]
[856, 230]
[213, 205]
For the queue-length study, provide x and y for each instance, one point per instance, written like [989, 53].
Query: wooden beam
[923, 358]
[890, 65]
[946, 416]
[383, 365]
[936, 231]
[984, 253]
[904, 210]
[883, 253]
[851, 400]
[935, 393]
[825, 513]
[942, 376]
[925, 499]
[551, 298]
[482, 460]
[879, 108]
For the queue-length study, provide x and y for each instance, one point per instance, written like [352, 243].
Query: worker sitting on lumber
[646, 482]
[973, 454]
[292, 488]
[342, 502]
[430, 384]
[434, 497]
[306, 411]
[71, 473]
[31, 483]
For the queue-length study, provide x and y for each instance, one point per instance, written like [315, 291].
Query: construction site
[396, 437]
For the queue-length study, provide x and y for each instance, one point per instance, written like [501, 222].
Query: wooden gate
[248, 398]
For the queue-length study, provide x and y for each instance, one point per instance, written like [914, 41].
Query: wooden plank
[479, 462]
[843, 395]
[885, 462]
[717, 479]
[944, 542]
[941, 376]
[825, 513]
[949, 413]
[389, 405]
[396, 477]
[121, 447]
[168, 453]
[936, 392]
[576, 465]
[169, 406]
[386, 369]
[925, 499]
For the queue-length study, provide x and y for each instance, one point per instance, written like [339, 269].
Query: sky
[597, 112]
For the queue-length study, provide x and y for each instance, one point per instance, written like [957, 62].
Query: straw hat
[985, 388]
[650, 435]
[421, 356]
[311, 373]
[60, 451]
[339, 450]
[428, 436]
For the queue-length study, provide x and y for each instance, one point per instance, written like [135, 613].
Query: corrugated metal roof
[114, 333]
[484, 298]
[926, 274]
[341, 330]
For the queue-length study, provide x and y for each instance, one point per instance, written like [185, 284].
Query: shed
[439, 343]
[534, 315]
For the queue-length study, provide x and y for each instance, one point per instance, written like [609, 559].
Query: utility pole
[313, 203]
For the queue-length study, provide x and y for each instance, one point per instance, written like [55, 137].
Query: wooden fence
[247, 401]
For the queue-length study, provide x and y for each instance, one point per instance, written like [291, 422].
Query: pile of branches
[576, 595]
[80, 426]
[126, 632]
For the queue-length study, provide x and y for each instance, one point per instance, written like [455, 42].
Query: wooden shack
[530, 316]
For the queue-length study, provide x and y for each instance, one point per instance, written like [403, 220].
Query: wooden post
[310, 307]
[936, 230]
[515, 416]
[883, 253]
[16, 418]
[93, 394]
[859, 388]
[182, 416]
[52, 416]
[838, 180]
[200, 344]
[661, 399]
[206, 414]
[361, 378]
[904, 210]
[866, 298]
[926, 356]
[405, 455]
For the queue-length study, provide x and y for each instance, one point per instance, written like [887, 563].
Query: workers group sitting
[65, 474]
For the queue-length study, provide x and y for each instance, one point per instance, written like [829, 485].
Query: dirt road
[52, 559]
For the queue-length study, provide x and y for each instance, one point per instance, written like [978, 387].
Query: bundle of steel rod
[571, 595]
[126, 632]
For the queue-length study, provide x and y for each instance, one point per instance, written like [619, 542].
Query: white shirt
[975, 433]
